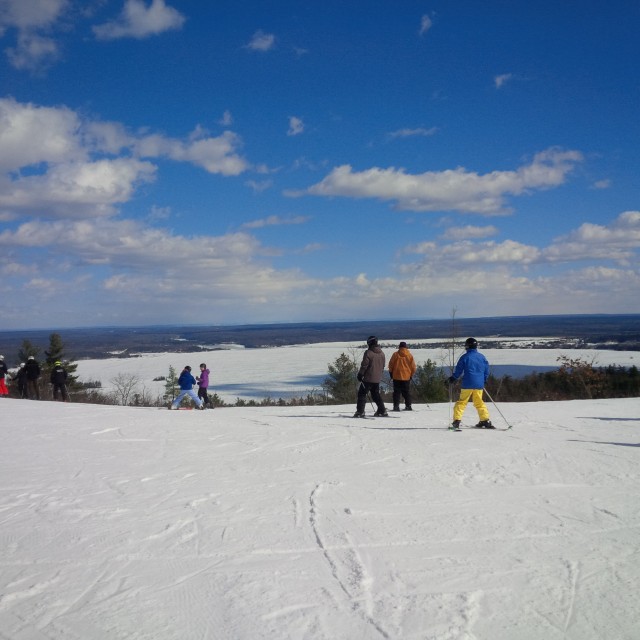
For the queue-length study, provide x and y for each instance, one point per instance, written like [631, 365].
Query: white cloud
[425, 24]
[33, 52]
[258, 186]
[227, 119]
[30, 135]
[449, 190]
[76, 189]
[469, 232]
[275, 221]
[139, 21]
[296, 126]
[261, 41]
[31, 14]
[33, 49]
[618, 242]
[408, 133]
[500, 80]
[602, 184]
[55, 163]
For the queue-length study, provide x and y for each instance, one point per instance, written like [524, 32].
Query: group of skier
[28, 378]
[472, 367]
[186, 382]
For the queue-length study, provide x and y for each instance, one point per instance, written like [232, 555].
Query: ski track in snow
[255, 523]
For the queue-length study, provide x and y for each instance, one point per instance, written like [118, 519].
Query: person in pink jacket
[203, 384]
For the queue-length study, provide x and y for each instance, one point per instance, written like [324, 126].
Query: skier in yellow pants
[474, 369]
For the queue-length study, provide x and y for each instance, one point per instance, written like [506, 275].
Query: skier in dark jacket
[59, 381]
[369, 377]
[32, 371]
[474, 369]
[21, 377]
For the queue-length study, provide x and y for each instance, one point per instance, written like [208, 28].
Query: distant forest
[597, 331]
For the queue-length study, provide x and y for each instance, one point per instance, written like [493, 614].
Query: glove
[359, 376]
[451, 380]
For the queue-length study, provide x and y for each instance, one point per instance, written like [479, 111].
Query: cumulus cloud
[261, 41]
[618, 242]
[31, 134]
[139, 21]
[296, 126]
[142, 265]
[31, 20]
[449, 190]
[76, 189]
[55, 163]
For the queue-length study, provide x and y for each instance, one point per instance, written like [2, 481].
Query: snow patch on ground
[300, 522]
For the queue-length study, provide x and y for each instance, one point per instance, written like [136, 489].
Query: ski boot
[381, 414]
[359, 414]
[485, 424]
[455, 426]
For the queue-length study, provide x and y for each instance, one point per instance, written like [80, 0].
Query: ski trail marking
[358, 577]
[574, 574]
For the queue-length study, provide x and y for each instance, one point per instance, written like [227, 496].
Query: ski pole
[371, 400]
[498, 409]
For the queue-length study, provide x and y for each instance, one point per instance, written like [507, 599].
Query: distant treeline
[595, 331]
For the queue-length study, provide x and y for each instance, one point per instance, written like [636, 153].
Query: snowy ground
[283, 372]
[300, 523]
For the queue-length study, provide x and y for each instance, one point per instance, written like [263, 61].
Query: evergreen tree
[171, 387]
[341, 383]
[430, 382]
[26, 350]
[56, 353]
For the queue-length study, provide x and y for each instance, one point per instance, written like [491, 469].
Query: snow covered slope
[301, 523]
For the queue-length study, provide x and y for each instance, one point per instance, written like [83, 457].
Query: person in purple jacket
[474, 369]
[203, 384]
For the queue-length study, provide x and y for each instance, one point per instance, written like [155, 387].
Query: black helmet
[470, 343]
[372, 341]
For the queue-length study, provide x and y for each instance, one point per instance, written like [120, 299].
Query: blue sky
[180, 161]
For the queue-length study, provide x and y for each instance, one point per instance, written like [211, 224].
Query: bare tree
[125, 387]
[451, 346]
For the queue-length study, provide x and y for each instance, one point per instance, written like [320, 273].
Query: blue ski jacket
[186, 380]
[474, 369]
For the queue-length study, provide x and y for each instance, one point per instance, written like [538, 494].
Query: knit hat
[372, 341]
[402, 345]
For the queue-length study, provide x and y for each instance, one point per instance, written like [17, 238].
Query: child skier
[474, 369]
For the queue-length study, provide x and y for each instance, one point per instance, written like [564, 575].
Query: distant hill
[109, 341]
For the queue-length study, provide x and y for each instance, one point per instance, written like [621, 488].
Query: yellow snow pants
[478, 403]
